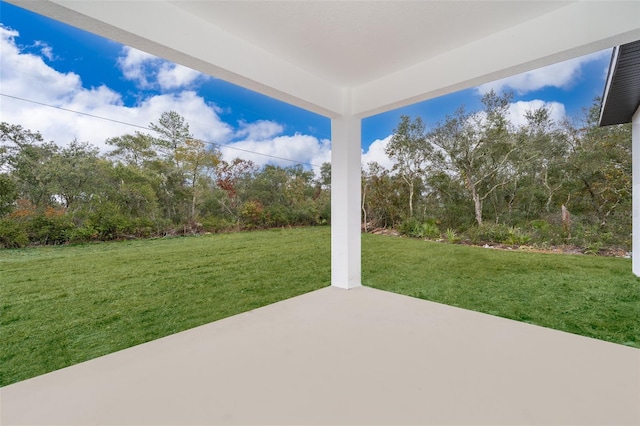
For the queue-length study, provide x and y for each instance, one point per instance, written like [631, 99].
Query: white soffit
[356, 57]
[350, 43]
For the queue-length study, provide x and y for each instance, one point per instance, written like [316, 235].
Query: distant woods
[146, 186]
[477, 177]
[473, 177]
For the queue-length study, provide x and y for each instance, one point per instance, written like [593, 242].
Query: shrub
[489, 233]
[109, 222]
[252, 214]
[593, 237]
[217, 224]
[13, 234]
[305, 214]
[451, 236]
[430, 230]
[49, 228]
[407, 227]
[144, 227]
[82, 234]
[539, 224]
[517, 237]
[593, 248]
[413, 228]
[276, 215]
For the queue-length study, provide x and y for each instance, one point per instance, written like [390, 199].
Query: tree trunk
[193, 197]
[477, 204]
[566, 221]
[410, 198]
[477, 201]
[193, 205]
[548, 203]
[364, 210]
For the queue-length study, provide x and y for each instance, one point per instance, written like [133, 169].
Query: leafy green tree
[448, 201]
[174, 186]
[13, 134]
[197, 161]
[8, 194]
[171, 192]
[288, 195]
[476, 148]
[600, 164]
[229, 178]
[538, 169]
[132, 189]
[325, 176]
[75, 173]
[173, 132]
[299, 195]
[384, 199]
[268, 187]
[409, 149]
[133, 149]
[27, 158]
[322, 195]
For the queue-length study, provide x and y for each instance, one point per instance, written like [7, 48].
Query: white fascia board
[635, 195]
[613, 64]
[572, 31]
[164, 30]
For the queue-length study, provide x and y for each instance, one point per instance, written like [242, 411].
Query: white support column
[345, 202]
[635, 196]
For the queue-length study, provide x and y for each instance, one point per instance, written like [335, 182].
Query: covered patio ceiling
[378, 54]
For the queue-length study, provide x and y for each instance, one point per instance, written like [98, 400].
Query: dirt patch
[385, 231]
[575, 250]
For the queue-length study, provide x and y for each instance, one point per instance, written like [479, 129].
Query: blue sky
[52, 63]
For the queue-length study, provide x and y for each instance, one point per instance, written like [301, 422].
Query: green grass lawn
[63, 305]
[593, 296]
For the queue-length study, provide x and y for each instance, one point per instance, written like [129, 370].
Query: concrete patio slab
[333, 356]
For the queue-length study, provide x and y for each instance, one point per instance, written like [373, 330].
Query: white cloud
[517, 111]
[263, 143]
[376, 153]
[259, 130]
[172, 76]
[303, 148]
[23, 75]
[27, 76]
[45, 49]
[149, 71]
[562, 75]
[202, 117]
[135, 65]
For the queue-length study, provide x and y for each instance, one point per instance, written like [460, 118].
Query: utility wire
[260, 153]
[244, 109]
[70, 110]
[148, 128]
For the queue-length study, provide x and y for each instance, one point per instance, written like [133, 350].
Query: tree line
[473, 177]
[147, 185]
[476, 176]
